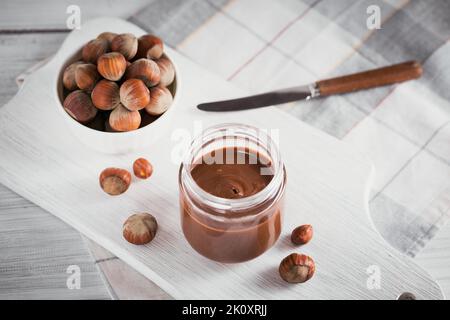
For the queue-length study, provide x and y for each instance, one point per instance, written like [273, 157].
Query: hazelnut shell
[302, 234]
[105, 95]
[145, 70]
[108, 36]
[69, 76]
[297, 268]
[134, 94]
[167, 71]
[142, 168]
[94, 49]
[114, 181]
[160, 101]
[112, 65]
[150, 47]
[86, 76]
[140, 228]
[121, 119]
[126, 44]
[79, 106]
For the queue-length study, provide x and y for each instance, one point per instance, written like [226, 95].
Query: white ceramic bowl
[113, 142]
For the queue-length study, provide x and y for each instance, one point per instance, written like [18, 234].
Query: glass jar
[236, 227]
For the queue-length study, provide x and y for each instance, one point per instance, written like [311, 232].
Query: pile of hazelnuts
[121, 84]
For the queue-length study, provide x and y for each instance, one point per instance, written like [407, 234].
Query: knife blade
[343, 84]
[263, 100]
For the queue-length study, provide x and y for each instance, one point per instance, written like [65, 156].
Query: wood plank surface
[36, 250]
[21, 15]
[124, 282]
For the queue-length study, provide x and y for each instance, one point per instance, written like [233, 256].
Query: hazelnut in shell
[69, 76]
[297, 268]
[108, 36]
[160, 101]
[167, 71]
[142, 168]
[302, 234]
[86, 76]
[94, 49]
[79, 106]
[150, 47]
[134, 94]
[105, 95]
[112, 65]
[140, 228]
[121, 119]
[126, 44]
[145, 70]
[114, 181]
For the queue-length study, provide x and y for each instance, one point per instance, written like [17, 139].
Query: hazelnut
[302, 234]
[167, 71]
[297, 268]
[108, 36]
[79, 106]
[115, 181]
[105, 95]
[94, 49]
[134, 95]
[112, 65]
[86, 76]
[142, 168]
[126, 44]
[160, 100]
[69, 76]
[150, 47]
[140, 228]
[122, 119]
[145, 70]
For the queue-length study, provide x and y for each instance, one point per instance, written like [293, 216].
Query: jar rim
[230, 130]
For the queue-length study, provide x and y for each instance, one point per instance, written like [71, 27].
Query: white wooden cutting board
[328, 186]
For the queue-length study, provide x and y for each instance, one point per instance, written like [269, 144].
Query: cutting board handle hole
[407, 296]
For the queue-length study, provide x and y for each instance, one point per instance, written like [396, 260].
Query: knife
[344, 84]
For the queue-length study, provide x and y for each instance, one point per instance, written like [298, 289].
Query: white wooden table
[32, 263]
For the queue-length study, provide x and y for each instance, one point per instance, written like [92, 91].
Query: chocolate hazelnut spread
[230, 231]
[241, 175]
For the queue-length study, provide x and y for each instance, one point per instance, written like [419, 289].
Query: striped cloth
[267, 44]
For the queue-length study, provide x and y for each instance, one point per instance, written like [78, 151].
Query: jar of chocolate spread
[232, 184]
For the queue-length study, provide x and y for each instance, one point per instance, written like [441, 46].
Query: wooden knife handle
[371, 78]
